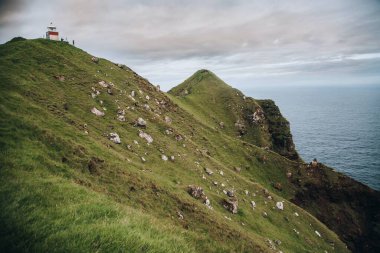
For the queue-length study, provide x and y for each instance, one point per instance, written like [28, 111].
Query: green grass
[52, 201]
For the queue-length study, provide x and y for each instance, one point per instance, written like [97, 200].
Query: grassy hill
[220, 106]
[66, 184]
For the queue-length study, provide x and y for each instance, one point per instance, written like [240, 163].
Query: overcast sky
[246, 43]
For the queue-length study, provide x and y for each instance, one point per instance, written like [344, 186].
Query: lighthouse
[52, 33]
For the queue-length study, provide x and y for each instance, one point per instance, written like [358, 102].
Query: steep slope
[348, 207]
[67, 183]
[220, 106]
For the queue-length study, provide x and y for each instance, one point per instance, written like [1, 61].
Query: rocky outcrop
[346, 206]
[279, 130]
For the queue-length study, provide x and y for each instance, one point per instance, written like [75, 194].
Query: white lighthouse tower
[52, 33]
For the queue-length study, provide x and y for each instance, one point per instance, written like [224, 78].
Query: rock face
[114, 137]
[349, 208]
[279, 129]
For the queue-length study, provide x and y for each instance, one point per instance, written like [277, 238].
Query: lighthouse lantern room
[52, 33]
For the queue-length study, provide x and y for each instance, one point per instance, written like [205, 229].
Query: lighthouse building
[52, 33]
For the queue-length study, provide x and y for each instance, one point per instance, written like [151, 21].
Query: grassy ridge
[66, 187]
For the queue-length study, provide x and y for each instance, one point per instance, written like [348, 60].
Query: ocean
[340, 126]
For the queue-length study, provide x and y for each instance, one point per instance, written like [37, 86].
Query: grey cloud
[240, 40]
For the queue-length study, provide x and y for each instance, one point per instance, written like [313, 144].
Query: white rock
[172, 158]
[141, 122]
[147, 97]
[164, 157]
[246, 192]
[115, 138]
[280, 205]
[135, 142]
[318, 233]
[208, 203]
[221, 173]
[168, 119]
[253, 204]
[133, 93]
[208, 171]
[146, 136]
[143, 159]
[296, 214]
[103, 84]
[97, 112]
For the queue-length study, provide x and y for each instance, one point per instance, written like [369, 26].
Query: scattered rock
[270, 244]
[164, 157]
[196, 191]
[146, 136]
[97, 112]
[104, 84]
[240, 127]
[147, 97]
[208, 171]
[258, 116]
[231, 205]
[178, 137]
[133, 93]
[172, 158]
[237, 169]
[221, 173]
[280, 205]
[253, 204]
[60, 78]
[230, 193]
[168, 120]
[246, 192]
[296, 214]
[121, 115]
[95, 59]
[140, 122]
[180, 215]
[278, 186]
[221, 125]
[265, 214]
[143, 159]
[115, 138]
[278, 242]
[215, 183]
[288, 174]
[207, 202]
[317, 233]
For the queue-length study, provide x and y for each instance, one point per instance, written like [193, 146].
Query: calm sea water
[339, 126]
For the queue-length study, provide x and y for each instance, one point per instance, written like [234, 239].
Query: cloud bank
[244, 42]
